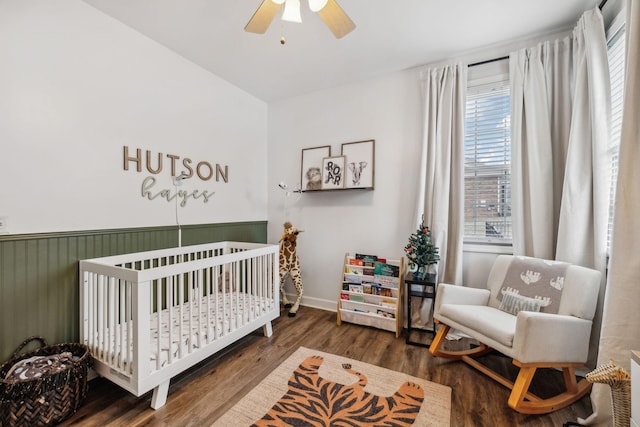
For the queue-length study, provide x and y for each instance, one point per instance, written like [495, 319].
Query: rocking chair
[547, 329]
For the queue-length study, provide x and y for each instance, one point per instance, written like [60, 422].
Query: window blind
[616, 52]
[487, 175]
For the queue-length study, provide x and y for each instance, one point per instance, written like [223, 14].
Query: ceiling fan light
[316, 5]
[292, 11]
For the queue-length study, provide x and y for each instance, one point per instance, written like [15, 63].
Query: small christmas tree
[420, 250]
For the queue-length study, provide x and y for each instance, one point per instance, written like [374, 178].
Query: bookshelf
[371, 292]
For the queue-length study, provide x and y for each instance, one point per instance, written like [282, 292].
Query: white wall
[76, 86]
[379, 222]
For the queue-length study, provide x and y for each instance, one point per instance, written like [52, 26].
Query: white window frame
[616, 59]
[482, 78]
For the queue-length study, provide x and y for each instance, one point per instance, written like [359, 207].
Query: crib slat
[223, 330]
[236, 293]
[130, 337]
[203, 313]
[188, 338]
[171, 283]
[180, 316]
[111, 319]
[158, 320]
[91, 309]
[208, 285]
[246, 283]
[120, 332]
[101, 329]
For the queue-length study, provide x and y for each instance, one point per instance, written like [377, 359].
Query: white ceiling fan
[330, 12]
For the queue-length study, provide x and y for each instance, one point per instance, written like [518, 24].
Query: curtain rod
[488, 61]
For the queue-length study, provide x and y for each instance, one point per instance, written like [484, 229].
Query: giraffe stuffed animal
[290, 265]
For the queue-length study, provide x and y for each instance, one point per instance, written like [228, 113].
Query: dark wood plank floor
[205, 392]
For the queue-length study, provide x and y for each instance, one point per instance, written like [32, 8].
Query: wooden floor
[202, 394]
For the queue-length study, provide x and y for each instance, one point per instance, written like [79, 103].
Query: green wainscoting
[39, 272]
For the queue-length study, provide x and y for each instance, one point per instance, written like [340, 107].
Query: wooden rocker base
[520, 399]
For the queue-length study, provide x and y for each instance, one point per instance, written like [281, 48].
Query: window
[616, 48]
[487, 163]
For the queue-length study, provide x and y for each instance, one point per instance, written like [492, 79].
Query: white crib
[148, 316]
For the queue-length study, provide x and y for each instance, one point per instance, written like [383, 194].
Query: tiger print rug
[313, 388]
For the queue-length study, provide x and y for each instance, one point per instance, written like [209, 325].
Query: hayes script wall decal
[155, 164]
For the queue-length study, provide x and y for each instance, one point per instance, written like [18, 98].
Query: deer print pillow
[537, 279]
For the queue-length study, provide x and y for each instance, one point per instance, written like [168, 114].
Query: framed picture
[311, 171]
[333, 172]
[359, 162]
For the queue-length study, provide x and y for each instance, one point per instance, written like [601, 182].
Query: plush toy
[290, 265]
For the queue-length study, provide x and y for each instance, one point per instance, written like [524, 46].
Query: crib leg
[267, 330]
[160, 395]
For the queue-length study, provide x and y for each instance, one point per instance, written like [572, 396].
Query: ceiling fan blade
[335, 18]
[263, 16]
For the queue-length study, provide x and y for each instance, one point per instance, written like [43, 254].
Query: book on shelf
[387, 314]
[388, 303]
[356, 297]
[344, 295]
[391, 282]
[368, 260]
[384, 269]
[355, 261]
[353, 278]
[372, 288]
[377, 289]
[359, 289]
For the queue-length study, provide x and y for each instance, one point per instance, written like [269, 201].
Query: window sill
[491, 248]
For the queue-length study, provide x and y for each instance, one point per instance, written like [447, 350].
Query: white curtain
[442, 174]
[540, 121]
[584, 212]
[560, 174]
[621, 317]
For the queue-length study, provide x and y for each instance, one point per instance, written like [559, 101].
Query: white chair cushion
[487, 321]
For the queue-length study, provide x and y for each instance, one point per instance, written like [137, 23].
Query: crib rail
[142, 312]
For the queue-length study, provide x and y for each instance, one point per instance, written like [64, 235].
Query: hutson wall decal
[154, 164]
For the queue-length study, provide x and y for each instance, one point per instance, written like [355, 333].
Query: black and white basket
[49, 398]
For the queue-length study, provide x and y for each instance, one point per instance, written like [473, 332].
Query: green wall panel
[39, 272]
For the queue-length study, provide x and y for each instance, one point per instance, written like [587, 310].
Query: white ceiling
[391, 35]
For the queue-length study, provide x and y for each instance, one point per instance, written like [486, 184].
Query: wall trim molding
[102, 232]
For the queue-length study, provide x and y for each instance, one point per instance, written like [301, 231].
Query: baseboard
[92, 374]
[322, 304]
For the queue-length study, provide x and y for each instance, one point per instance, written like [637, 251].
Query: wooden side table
[420, 288]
